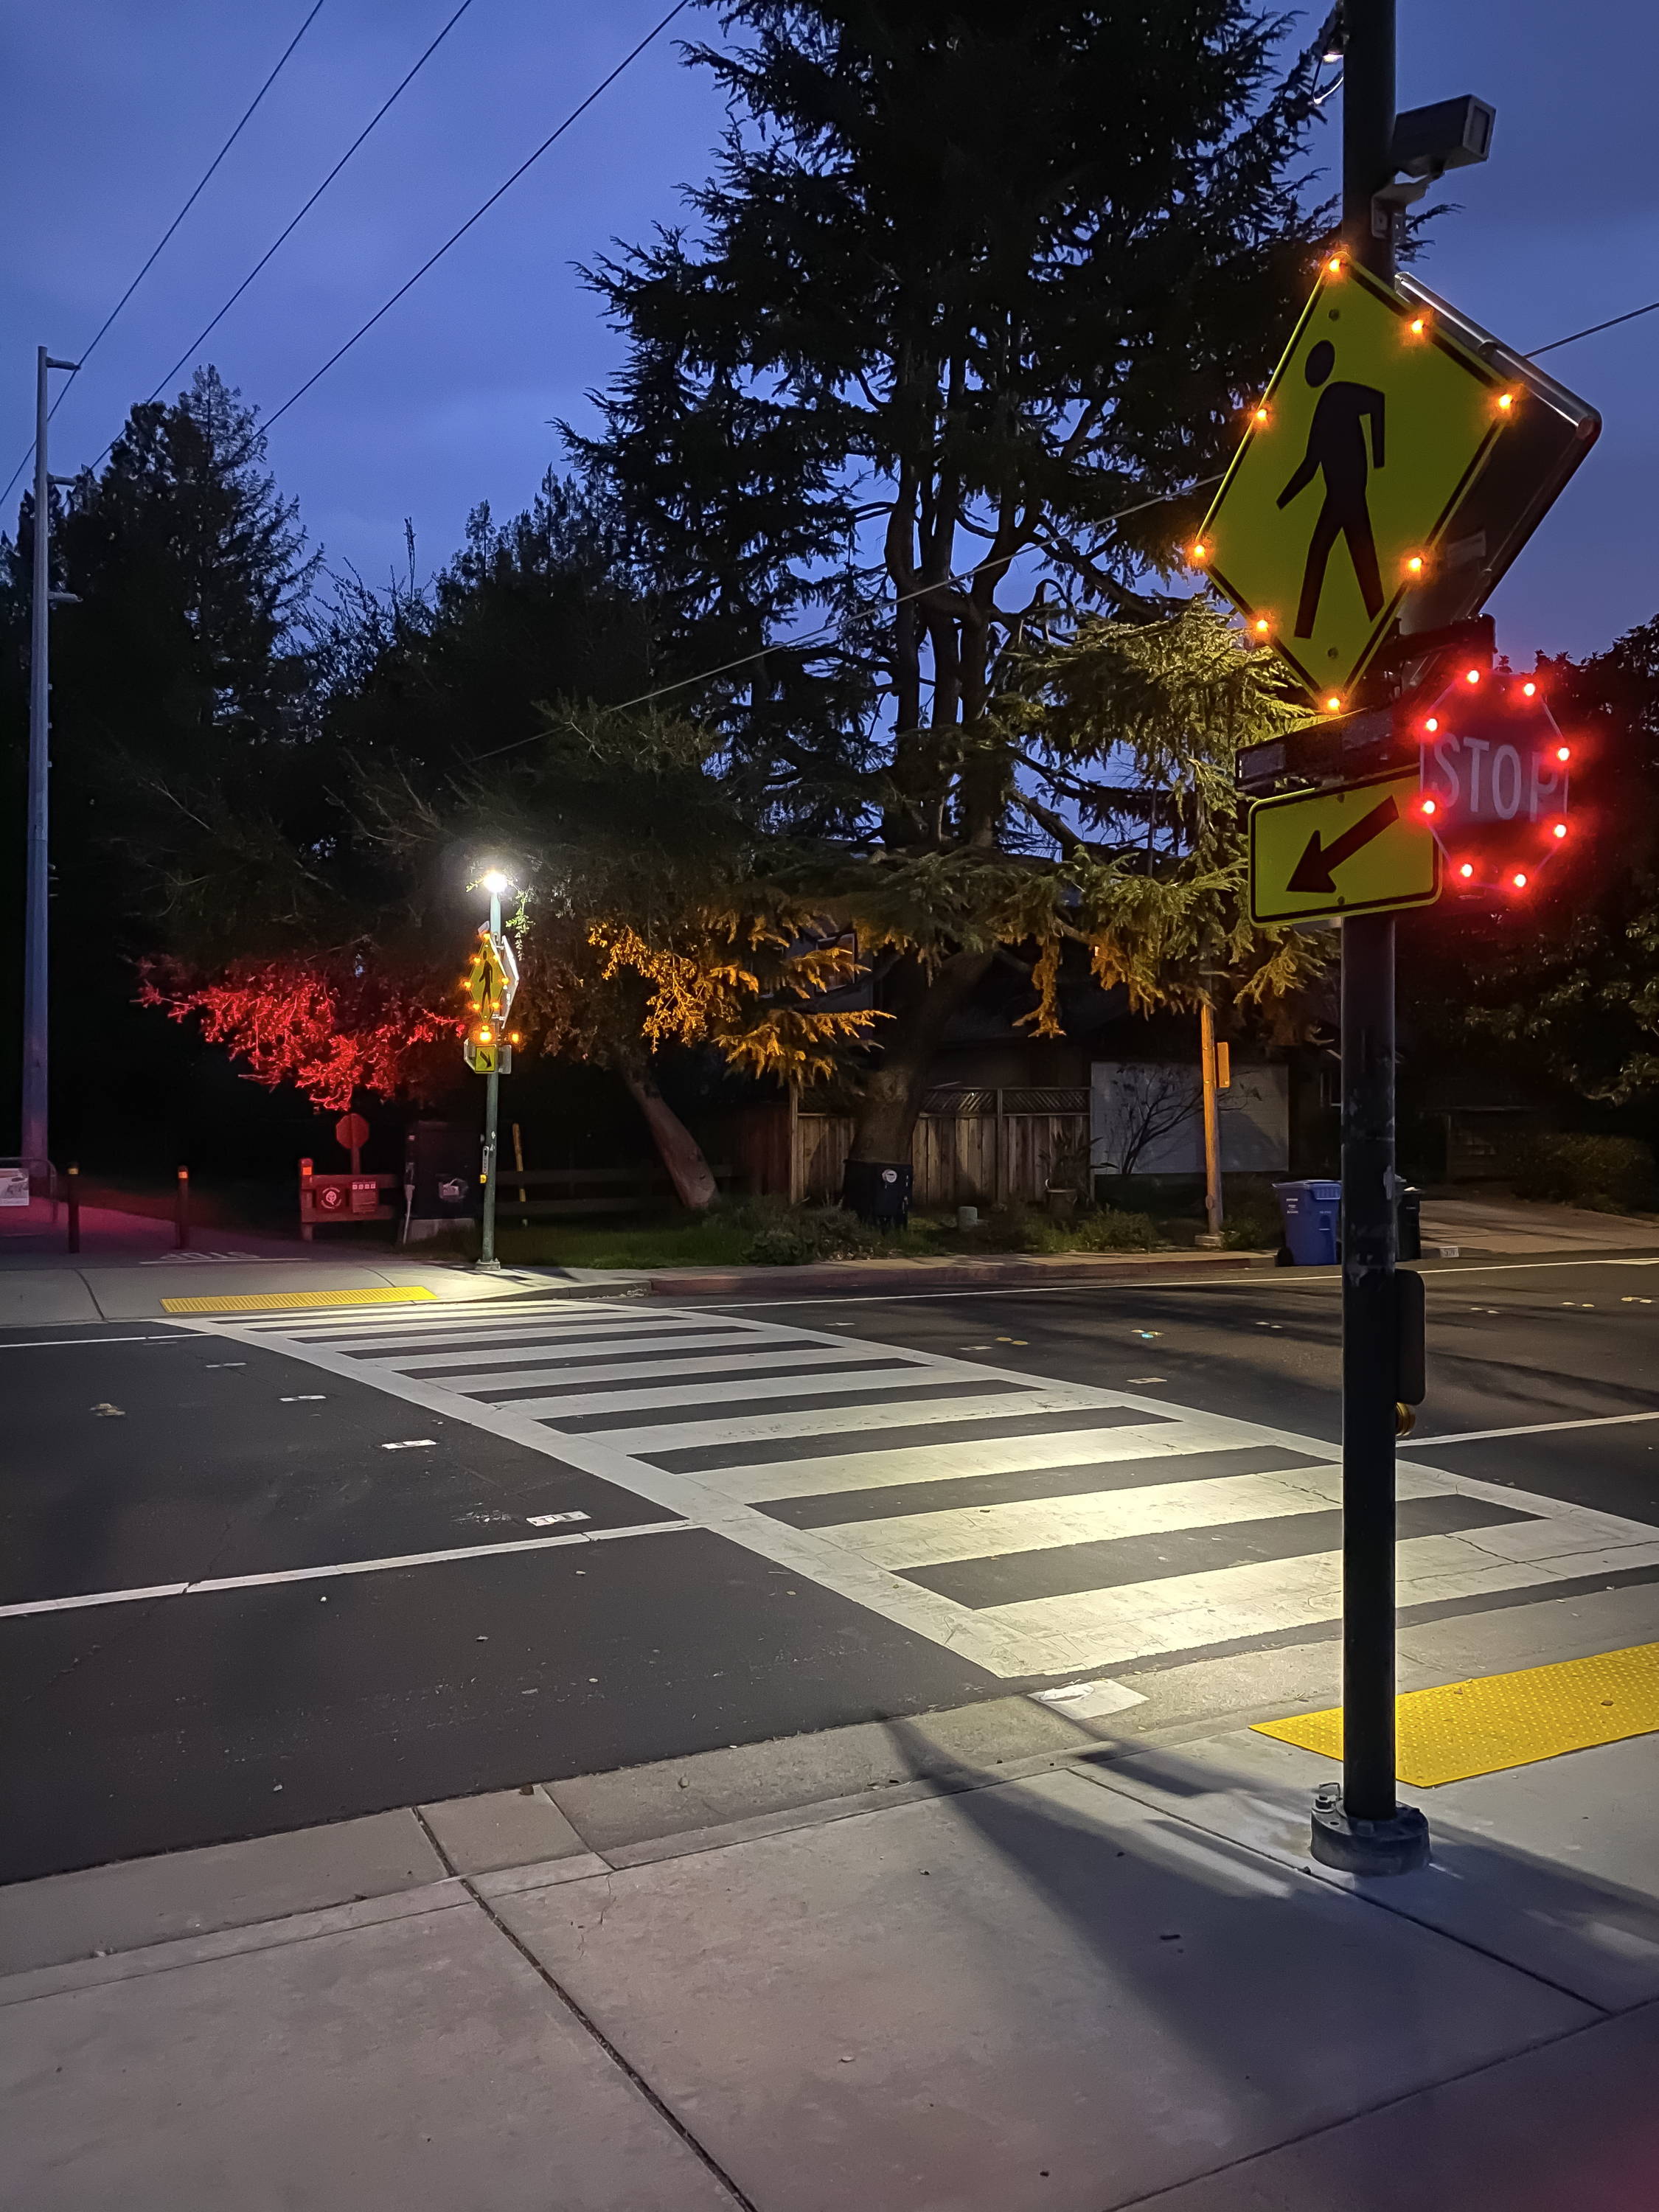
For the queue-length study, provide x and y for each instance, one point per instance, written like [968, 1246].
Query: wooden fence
[582, 1191]
[971, 1148]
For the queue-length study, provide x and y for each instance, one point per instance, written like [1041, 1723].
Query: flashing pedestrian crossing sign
[1374, 426]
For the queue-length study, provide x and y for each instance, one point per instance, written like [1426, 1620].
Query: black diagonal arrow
[1312, 873]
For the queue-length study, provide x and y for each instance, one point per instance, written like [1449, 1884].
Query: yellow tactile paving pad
[266, 1301]
[1497, 1721]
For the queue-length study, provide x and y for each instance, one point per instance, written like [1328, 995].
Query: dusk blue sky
[113, 108]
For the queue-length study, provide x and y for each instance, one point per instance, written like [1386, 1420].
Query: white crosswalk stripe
[1035, 1527]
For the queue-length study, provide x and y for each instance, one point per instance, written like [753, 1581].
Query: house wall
[1254, 1118]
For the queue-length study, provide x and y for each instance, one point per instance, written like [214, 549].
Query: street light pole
[492, 1110]
[1367, 1831]
[34, 1145]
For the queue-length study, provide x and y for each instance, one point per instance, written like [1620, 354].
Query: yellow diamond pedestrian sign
[1361, 848]
[1374, 426]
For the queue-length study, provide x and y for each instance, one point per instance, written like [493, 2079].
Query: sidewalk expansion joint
[616, 2057]
[664, 2110]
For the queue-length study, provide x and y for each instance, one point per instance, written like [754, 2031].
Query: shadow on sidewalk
[1293, 2002]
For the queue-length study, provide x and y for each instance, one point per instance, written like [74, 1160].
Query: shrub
[1607, 1175]
[1110, 1230]
[1250, 1226]
[796, 1236]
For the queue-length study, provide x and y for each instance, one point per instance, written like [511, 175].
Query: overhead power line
[477, 213]
[1611, 323]
[285, 234]
[828, 629]
[87, 350]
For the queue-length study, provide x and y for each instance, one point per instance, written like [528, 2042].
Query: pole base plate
[487, 1267]
[1397, 1845]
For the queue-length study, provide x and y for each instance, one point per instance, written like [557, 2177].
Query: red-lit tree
[331, 1029]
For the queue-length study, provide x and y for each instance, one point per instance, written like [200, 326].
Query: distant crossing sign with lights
[1376, 424]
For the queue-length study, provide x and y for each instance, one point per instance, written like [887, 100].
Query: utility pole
[492, 1106]
[34, 1145]
[1210, 1085]
[1366, 1830]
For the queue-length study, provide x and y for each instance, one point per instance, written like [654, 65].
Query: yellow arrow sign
[1358, 849]
[1374, 425]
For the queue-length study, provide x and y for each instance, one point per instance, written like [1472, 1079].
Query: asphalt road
[149, 1725]
[1511, 1345]
[322, 1494]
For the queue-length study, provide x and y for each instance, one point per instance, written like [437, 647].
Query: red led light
[1560, 830]
[1432, 724]
[1427, 807]
[1519, 880]
[1472, 676]
[1564, 752]
[1466, 870]
[1528, 690]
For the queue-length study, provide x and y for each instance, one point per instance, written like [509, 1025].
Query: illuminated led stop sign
[1494, 780]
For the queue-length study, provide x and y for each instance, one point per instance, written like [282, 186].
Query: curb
[1063, 1272]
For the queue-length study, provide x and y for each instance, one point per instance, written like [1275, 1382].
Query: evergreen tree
[971, 294]
[181, 664]
[540, 608]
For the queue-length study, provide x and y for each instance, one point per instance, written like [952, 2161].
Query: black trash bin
[877, 1191]
[1408, 1215]
[441, 1187]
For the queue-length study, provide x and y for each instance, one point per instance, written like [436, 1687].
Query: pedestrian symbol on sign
[1336, 449]
[1321, 526]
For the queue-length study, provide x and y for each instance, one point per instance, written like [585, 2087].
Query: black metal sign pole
[1367, 1831]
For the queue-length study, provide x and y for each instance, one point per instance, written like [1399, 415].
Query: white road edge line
[1263, 1278]
[49, 1343]
[1522, 1429]
[347, 1567]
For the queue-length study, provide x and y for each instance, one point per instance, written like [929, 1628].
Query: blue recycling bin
[1310, 1212]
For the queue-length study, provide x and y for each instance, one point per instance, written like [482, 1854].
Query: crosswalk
[1034, 1528]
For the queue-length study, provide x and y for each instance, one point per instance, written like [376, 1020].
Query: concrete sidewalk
[129, 1268]
[995, 1959]
[1528, 1226]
